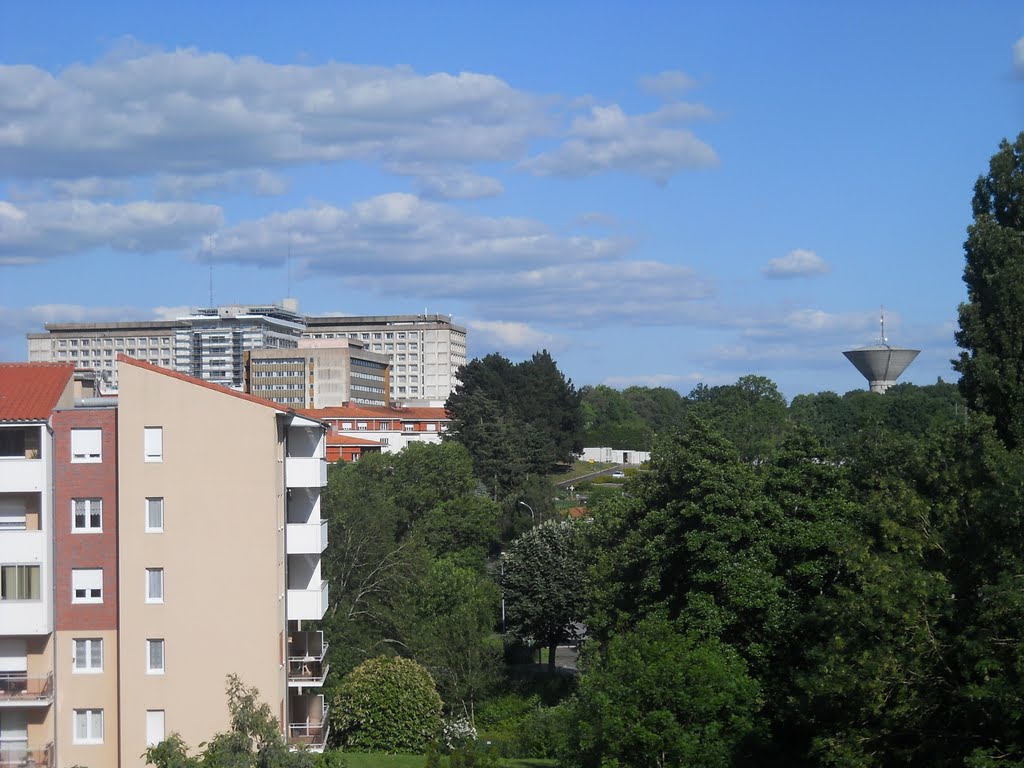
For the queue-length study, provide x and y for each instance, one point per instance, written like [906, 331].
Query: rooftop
[30, 391]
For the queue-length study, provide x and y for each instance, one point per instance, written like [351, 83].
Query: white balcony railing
[22, 475]
[307, 604]
[305, 472]
[19, 689]
[310, 734]
[306, 538]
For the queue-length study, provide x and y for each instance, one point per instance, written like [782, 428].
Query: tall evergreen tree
[992, 320]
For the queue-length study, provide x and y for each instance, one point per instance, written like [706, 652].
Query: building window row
[20, 582]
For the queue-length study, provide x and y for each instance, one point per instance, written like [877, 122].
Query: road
[591, 475]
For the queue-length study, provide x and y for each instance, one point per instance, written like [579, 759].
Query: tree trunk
[551, 654]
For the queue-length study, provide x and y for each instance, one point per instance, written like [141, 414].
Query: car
[618, 474]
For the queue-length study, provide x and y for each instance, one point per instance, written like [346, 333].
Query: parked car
[618, 474]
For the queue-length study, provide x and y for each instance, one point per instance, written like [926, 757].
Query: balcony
[22, 475]
[307, 604]
[18, 754]
[306, 653]
[17, 689]
[306, 538]
[310, 732]
[305, 472]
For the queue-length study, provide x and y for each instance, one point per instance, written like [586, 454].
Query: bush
[387, 704]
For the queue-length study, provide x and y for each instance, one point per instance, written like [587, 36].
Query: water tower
[881, 364]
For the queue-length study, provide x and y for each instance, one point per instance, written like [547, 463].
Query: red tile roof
[30, 391]
[208, 385]
[337, 440]
[376, 412]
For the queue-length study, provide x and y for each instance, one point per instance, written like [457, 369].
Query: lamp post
[532, 515]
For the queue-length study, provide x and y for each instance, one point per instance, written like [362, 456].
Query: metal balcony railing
[20, 687]
[310, 735]
[18, 754]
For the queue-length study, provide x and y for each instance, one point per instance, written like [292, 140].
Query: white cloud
[259, 183]
[667, 83]
[608, 139]
[188, 112]
[34, 232]
[597, 219]
[796, 263]
[1018, 56]
[91, 188]
[671, 380]
[393, 235]
[171, 313]
[512, 336]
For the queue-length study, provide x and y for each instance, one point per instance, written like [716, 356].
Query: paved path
[591, 475]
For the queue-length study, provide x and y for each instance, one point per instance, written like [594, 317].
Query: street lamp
[532, 516]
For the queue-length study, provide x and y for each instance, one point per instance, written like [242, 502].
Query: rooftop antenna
[211, 284]
[882, 321]
[288, 263]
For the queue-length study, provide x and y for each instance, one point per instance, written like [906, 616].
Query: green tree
[387, 704]
[451, 617]
[254, 739]
[658, 698]
[465, 530]
[991, 330]
[750, 413]
[542, 582]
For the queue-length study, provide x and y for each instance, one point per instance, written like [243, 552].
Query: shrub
[387, 704]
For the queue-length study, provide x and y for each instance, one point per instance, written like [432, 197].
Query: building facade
[28, 396]
[353, 431]
[426, 351]
[186, 536]
[320, 373]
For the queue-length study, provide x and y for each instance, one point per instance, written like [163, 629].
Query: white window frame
[156, 726]
[86, 446]
[89, 580]
[153, 444]
[151, 643]
[88, 527]
[154, 596]
[93, 720]
[89, 647]
[145, 512]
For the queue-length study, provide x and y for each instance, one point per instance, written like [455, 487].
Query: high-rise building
[150, 545]
[426, 351]
[320, 373]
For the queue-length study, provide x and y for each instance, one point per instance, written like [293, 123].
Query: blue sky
[664, 194]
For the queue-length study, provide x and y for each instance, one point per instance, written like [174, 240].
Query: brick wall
[85, 550]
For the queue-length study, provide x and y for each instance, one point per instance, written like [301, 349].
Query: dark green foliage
[656, 697]
[750, 413]
[387, 704]
[516, 420]
[992, 319]
[542, 580]
[253, 741]
[450, 617]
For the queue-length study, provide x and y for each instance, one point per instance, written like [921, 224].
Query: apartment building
[185, 526]
[426, 351]
[28, 396]
[320, 373]
[219, 558]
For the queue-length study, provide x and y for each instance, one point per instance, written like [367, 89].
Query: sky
[660, 194]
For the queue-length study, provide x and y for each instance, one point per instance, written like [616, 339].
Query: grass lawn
[579, 469]
[378, 760]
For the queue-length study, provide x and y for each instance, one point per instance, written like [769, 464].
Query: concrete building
[95, 346]
[150, 545]
[426, 351]
[28, 396]
[320, 373]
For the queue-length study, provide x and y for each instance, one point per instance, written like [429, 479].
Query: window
[85, 445]
[88, 656]
[154, 727]
[154, 657]
[88, 726]
[86, 515]
[154, 443]
[19, 582]
[155, 515]
[12, 515]
[87, 585]
[154, 585]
